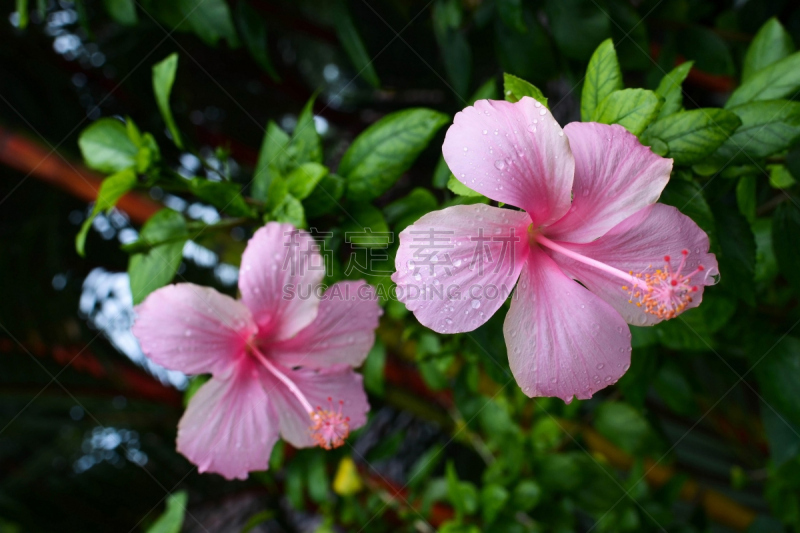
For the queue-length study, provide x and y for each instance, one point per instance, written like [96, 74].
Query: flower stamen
[664, 293]
[330, 427]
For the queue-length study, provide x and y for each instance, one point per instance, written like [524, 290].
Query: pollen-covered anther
[665, 292]
[329, 427]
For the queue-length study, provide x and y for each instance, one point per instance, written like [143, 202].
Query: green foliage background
[330, 115]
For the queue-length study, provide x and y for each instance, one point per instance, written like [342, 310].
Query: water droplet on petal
[543, 111]
[499, 164]
[475, 304]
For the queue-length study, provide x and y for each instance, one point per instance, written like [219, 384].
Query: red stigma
[666, 258]
[685, 251]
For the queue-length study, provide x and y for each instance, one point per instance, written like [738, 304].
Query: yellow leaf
[347, 481]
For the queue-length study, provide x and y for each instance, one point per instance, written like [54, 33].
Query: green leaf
[578, 27]
[441, 174]
[671, 89]
[691, 136]
[351, 42]
[105, 146]
[325, 196]
[303, 179]
[511, 14]
[163, 79]
[363, 222]
[456, 52]
[778, 375]
[772, 43]
[530, 55]
[624, 426]
[778, 80]
[644, 366]
[783, 436]
[22, 12]
[254, 34]
[675, 390]
[373, 369]
[306, 145]
[407, 210]
[633, 109]
[318, 482]
[527, 495]
[151, 270]
[785, 229]
[386, 149]
[767, 127]
[738, 257]
[291, 211]
[122, 11]
[461, 494]
[707, 49]
[603, 77]
[111, 190]
[172, 519]
[493, 499]
[746, 197]
[210, 20]
[223, 195]
[780, 177]
[271, 160]
[766, 265]
[460, 189]
[515, 89]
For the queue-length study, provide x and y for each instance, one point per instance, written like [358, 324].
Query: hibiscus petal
[342, 333]
[456, 267]
[615, 176]
[192, 329]
[513, 153]
[562, 340]
[339, 383]
[279, 256]
[229, 426]
[639, 244]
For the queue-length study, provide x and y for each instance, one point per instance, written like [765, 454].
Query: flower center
[664, 293]
[328, 428]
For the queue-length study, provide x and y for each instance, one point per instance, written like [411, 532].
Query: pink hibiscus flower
[589, 214]
[281, 363]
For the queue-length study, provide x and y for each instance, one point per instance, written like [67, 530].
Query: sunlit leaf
[163, 79]
[603, 77]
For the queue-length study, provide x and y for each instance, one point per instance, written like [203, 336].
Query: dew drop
[600, 366]
[499, 164]
[475, 304]
[485, 132]
[543, 111]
